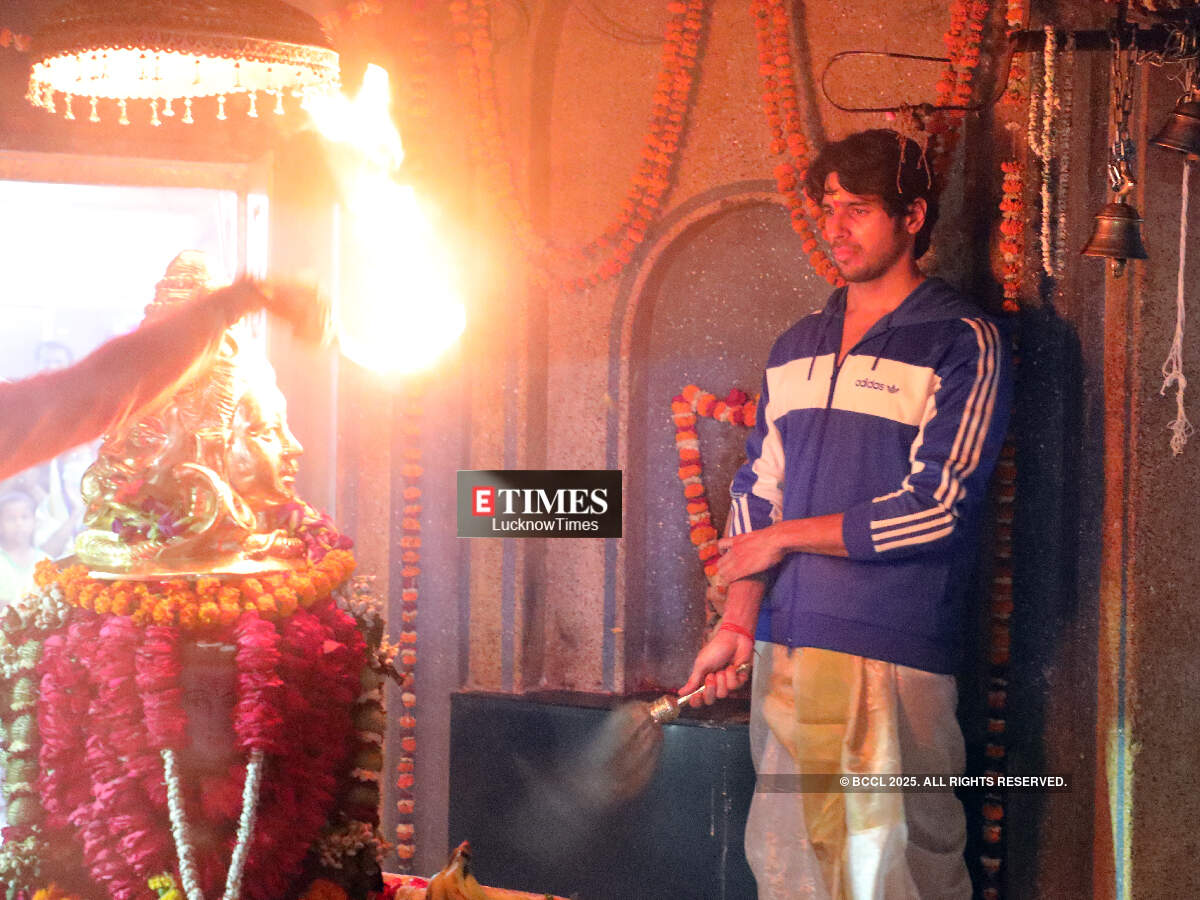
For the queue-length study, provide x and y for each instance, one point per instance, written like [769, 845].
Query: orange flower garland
[350, 13]
[10, 38]
[204, 601]
[1012, 232]
[736, 409]
[1012, 202]
[660, 149]
[964, 42]
[1000, 607]
[53, 893]
[781, 106]
[410, 546]
[324, 889]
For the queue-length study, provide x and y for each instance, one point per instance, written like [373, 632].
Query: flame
[399, 308]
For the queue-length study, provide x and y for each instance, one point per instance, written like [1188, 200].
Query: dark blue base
[516, 767]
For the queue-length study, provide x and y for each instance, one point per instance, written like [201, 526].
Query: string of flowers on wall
[736, 409]
[411, 472]
[603, 258]
[350, 14]
[14, 40]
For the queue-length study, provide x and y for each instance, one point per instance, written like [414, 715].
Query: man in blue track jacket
[851, 539]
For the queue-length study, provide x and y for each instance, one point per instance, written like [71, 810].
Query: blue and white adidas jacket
[901, 438]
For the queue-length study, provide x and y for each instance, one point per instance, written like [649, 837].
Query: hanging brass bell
[1182, 130]
[1117, 235]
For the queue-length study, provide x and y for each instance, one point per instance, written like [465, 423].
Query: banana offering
[455, 882]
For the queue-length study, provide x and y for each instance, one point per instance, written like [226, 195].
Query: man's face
[867, 242]
[16, 524]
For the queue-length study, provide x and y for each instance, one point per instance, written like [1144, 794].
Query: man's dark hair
[871, 164]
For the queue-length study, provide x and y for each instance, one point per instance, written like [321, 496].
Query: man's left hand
[748, 554]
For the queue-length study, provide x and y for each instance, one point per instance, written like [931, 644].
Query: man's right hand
[715, 667]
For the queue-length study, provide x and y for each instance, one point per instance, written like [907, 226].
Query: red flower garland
[114, 802]
[660, 149]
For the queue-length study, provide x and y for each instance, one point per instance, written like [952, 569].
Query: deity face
[208, 683]
[264, 454]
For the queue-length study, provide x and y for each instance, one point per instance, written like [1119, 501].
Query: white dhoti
[820, 712]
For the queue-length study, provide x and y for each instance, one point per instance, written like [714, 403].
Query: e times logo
[539, 503]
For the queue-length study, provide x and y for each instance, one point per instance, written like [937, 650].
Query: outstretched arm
[42, 416]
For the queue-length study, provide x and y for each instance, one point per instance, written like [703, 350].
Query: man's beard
[869, 270]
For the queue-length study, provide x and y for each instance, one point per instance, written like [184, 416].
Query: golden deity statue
[206, 482]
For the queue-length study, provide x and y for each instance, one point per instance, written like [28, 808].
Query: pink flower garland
[111, 802]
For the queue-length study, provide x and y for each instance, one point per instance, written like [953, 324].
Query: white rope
[1172, 369]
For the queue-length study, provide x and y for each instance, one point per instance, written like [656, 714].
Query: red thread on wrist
[736, 629]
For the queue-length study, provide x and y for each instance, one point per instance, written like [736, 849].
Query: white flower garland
[359, 600]
[1049, 107]
[44, 609]
[1033, 122]
[179, 828]
[1049, 143]
[182, 834]
[241, 851]
[337, 845]
[1066, 98]
[21, 861]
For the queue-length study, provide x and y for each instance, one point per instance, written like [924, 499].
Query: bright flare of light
[363, 123]
[401, 309]
[399, 306]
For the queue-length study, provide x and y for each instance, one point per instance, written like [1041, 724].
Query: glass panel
[80, 264]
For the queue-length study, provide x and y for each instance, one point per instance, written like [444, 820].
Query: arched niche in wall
[720, 287]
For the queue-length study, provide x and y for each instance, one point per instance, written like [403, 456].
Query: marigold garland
[52, 892]
[1012, 201]
[19, 42]
[606, 256]
[350, 14]
[964, 42]
[411, 471]
[781, 107]
[736, 409]
[1000, 607]
[207, 601]
[324, 889]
